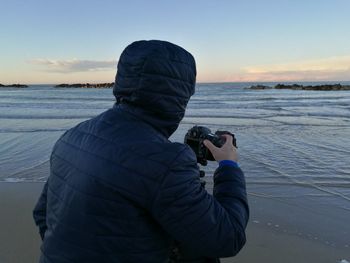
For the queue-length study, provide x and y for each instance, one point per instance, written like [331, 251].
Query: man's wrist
[228, 162]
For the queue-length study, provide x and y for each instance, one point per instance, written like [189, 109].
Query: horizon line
[199, 82]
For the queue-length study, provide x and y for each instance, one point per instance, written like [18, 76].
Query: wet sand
[280, 229]
[19, 238]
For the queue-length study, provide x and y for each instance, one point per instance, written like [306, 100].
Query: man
[120, 191]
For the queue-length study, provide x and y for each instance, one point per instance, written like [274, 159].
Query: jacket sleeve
[39, 212]
[204, 225]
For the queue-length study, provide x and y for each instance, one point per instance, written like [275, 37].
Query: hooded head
[155, 80]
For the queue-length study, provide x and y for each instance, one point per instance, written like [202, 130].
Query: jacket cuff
[228, 162]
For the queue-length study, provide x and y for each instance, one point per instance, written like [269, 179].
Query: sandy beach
[278, 231]
[19, 238]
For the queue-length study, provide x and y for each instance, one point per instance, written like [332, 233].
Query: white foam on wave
[13, 180]
[23, 180]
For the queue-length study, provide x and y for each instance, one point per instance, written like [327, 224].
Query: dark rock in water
[323, 87]
[260, 87]
[294, 86]
[86, 85]
[14, 86]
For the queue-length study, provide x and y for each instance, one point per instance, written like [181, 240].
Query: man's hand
[226, 152]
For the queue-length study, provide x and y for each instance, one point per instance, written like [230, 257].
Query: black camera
[195, 137]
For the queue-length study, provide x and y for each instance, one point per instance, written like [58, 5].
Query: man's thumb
[209, 145]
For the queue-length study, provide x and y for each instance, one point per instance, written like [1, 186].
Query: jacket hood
[154, 81]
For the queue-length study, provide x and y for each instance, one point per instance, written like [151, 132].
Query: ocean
[293, 145]
[284, 137]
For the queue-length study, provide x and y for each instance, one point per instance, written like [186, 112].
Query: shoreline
[278, 231]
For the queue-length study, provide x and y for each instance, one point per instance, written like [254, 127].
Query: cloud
[74, 65]
[333, 69]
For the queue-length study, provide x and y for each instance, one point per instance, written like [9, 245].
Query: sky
[51, 42]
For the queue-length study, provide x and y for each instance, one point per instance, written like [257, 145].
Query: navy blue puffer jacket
[120, 191]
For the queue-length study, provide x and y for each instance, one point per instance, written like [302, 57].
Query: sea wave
[292, 138]
[30, 130]
[64, 98]
[47, 116]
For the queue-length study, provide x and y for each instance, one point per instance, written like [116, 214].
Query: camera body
[195, 137]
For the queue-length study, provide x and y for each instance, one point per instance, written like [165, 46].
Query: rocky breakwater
[324, 87]
[13, 86]
[260, 87]
[86, 85]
